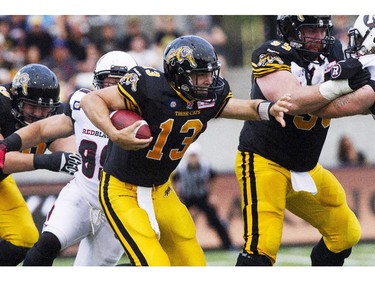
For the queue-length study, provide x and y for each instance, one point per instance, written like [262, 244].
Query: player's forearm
[97, 111]
[18, 162]
[30, 135]
[241, 109]
[357, 102]
[306, 99]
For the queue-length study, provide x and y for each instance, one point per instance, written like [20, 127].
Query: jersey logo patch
[4, 91]
[172, 103]
[205, 104]
[265, 59]
[77, 105]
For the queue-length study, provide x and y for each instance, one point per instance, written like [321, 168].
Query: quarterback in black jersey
[32, 95]
[135, 191]
[278, 169]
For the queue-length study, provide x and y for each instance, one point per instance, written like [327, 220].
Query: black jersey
[175, 122]
[298, 145]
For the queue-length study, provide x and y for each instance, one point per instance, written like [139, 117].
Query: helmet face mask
[189, 55]
[114, 64]
[291, 29]
[361, 37]
[37, 86]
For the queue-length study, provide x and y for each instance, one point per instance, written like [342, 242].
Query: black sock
[11, 255]
[44, 251]
[322, 256]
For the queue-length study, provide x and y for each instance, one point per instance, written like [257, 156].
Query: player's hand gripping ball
[124, 118]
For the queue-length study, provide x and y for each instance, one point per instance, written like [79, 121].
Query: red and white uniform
[76, 215]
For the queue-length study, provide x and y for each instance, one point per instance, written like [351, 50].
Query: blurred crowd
[70, 45]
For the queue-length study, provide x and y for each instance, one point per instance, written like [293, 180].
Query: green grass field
[362, 255]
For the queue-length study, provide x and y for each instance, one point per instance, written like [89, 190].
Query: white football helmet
[112, 64]
[362, 37]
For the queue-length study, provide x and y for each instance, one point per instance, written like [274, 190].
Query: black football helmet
[37, 85]
[289, 29]
[188, 54]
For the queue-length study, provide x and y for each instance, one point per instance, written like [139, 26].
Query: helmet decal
[181, 54]
[22, 79]
[301, 18]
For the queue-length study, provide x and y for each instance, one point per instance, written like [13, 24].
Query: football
[124, 118]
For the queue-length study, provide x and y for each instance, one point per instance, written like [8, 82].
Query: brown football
[123, 118]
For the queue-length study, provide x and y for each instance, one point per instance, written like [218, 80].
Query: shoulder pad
[272, 56]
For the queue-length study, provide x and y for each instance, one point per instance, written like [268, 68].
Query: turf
[362, 255]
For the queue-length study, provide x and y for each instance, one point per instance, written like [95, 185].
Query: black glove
[58, 162]
[360, 79]
[346, 69]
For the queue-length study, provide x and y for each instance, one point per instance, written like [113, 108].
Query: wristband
[263, 110]
[331, 90]
[47, 161]
[13, 142]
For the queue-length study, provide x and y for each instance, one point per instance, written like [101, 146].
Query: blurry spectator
[5, 29]
[18, 27]
[166, 31]
[193, 178]
[144, 55]
[38, 36]
[5, 76]
[92, 56]
[64, 65]
[77, 39]
[5, 54]
[133, 29]
[32, 55]
[86, 68]
[348, 155]
[107, 40]
[213, 33]
[341, 24]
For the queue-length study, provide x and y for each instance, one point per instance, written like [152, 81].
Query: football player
[362, 47]
[136, 192]
[76, 215]
[282, 171]
[32, 95]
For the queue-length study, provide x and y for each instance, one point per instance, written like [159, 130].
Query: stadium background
[40, 188]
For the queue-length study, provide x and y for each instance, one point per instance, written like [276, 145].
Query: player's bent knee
[185, 227]
[26, 237]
